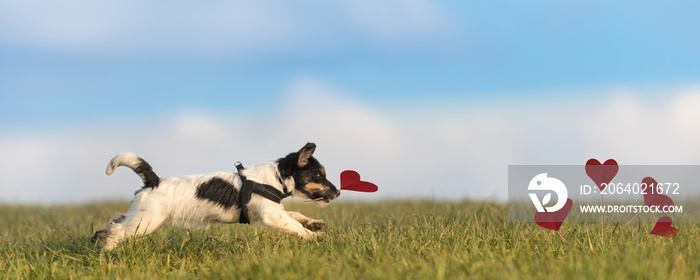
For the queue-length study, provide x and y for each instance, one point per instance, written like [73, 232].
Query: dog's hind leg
[143, 218]
[136, 225]
[109, 235]
[143, 222]
[106, 231]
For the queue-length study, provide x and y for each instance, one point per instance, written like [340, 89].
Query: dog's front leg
[282, 221]
[309, 223]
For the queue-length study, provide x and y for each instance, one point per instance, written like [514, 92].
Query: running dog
[252, 194]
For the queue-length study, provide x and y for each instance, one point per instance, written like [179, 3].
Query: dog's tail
[140, 166]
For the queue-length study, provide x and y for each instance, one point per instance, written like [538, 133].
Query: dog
[201, 200]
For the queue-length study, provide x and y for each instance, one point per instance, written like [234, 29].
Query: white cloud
[646, 131]
[220, 28]
[314, 110]
[392, 20]
[458, 153]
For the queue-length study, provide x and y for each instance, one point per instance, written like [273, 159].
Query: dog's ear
[305, 153]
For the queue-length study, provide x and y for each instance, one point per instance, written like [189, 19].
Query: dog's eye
[319, 175]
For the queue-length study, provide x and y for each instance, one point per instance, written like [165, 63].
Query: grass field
[390, 240]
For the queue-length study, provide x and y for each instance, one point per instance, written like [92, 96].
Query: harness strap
[250, 187]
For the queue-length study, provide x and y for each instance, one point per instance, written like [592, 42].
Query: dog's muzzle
[325, 197]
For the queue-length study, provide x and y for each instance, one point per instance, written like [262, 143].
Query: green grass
[389, 240]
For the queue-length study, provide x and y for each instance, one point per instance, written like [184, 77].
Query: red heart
[663, 227]
[553, 220]
[601, 173]
[350, 180]
[651, 197]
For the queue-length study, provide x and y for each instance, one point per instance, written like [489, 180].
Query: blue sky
[471, 85]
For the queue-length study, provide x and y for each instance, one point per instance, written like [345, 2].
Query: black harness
[249, 187]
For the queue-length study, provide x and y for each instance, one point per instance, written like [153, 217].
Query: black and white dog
[200, 200]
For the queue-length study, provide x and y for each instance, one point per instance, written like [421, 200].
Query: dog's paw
[311, 236]
[98, 236]
[315, 225]
[319, 235]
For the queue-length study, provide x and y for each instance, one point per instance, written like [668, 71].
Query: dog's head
[309, 175]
